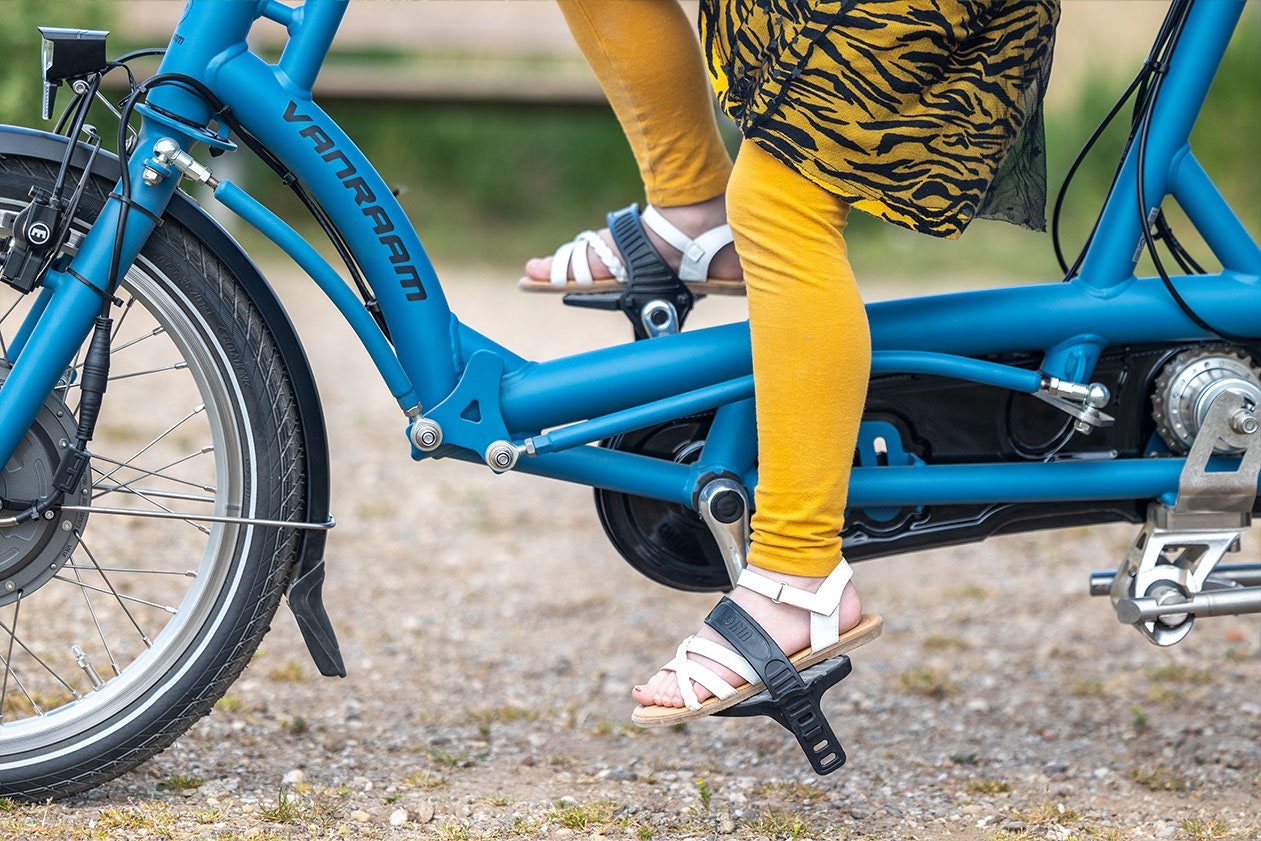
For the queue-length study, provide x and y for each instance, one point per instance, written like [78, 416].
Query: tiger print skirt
[927, 113]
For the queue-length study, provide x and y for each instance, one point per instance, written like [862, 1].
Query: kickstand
[791, 698]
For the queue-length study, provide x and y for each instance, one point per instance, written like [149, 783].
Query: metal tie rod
[1215, 603]
[204, 518]
[1246, 575]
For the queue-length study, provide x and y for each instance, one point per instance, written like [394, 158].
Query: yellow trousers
[811, 346]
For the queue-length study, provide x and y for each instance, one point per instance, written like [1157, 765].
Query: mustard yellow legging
[811, 346]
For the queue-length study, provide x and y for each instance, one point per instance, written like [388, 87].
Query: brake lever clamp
[791, 698]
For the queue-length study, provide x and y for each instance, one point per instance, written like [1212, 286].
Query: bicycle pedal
[791, 698]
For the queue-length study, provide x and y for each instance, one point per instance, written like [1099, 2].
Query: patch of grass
[291, 671]
[1158, 778]
[793, 791]
[944, 642]
[427, 780]
[929, 682]
[988, 786]
[1089, 687]
[299, 726]
[973, 592]
[7, 805]
[1182, 674]
[180, 782]
[1200, 829]
[965, 759]
[1140, 717]
[453, 831]
[1041, 814]
[452, 759]
[133, 821]
[778, 825]
[643, 834]
[229, 703]
[286, 809]
[580, 816]
[501, 715]
[704, 792]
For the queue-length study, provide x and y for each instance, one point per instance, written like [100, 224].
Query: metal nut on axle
[426, 435]
[1244, 422]
[501, 456]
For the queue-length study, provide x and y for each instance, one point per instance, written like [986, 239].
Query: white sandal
[826, 642]
[571, 264]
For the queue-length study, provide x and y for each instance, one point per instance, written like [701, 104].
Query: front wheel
[118, 630]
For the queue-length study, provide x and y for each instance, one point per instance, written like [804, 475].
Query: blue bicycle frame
[482, 394]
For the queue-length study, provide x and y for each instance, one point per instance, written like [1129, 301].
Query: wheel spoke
[38, 659]
[144, 472]
[156, 331]
[177, 366]
[187, 573]
[198, 409]
[143, 636]
[113, 662]
[8, 658]
[4, 347]
[116, 594]
[126, 489]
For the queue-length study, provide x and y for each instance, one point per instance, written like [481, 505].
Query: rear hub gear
[1189, 383]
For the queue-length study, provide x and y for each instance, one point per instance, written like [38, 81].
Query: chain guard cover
[667, 542]
[32, 553]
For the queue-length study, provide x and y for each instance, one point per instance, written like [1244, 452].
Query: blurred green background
[504, 153]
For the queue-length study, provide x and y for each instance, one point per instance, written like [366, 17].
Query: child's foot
[598, 254]
[788, 625]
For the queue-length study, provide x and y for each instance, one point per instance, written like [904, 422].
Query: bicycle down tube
[452, 367]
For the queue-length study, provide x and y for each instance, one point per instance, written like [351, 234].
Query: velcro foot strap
[790, 698]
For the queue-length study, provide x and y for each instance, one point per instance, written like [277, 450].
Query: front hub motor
[32, 553]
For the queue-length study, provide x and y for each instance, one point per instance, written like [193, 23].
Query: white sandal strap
[697, 253]
[571, 258]
[560, 264]
[824, 604]
[724, 656]
[704, 249]
[688, 671]
[607, 256]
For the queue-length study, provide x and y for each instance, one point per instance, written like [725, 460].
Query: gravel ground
[492, 635]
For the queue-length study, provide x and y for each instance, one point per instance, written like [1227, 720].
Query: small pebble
[726, 824]
[294, 778]
[398, 817]
[360, 816]
[424, 813]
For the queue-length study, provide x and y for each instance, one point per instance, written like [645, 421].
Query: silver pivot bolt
[502, 456]
[426, 435]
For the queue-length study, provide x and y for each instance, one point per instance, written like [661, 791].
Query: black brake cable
[1146, 221]
[1140, 85]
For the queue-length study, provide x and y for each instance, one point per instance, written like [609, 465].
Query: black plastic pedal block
[790, 698]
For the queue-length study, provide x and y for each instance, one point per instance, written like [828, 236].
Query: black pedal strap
[789, 699]
[647, 271]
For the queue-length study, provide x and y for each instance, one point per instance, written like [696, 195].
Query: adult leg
[647, 59]
[811, 361]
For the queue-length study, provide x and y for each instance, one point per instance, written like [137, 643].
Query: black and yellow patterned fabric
[926, 113]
